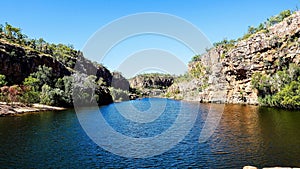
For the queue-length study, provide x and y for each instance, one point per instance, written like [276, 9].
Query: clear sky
[73, 22]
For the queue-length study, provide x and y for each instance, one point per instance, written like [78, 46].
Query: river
[245, 135]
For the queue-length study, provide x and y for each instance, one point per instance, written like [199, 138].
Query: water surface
[246, 135]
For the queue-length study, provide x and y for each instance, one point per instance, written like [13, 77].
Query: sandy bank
[19, 108]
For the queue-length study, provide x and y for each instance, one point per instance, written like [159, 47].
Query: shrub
[50, 96]
[65, 84]
[289, 97]
[198, 70]
[281, 89]
[118, 94]
[44, 75]
[30, 95]
[3, 82]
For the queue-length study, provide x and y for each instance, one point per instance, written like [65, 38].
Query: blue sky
[73, 22]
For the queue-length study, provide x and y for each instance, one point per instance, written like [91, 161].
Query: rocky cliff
[151, 84]
[229, 71]
[19, 62]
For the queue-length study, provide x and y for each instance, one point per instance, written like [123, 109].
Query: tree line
[66, 54]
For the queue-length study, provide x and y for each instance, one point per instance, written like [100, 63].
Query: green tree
[31, 94]
[8, 30]
[40, 44]
[3, 82]
[251, 30]
[119, 94]
[285, 14]
[261, 83]
[65, 84]
[1, 28]
[289, 97]
[278, 18]
[198, 70]
[281, 89]
[196, 57]
[50, 96]
[260, 27]
[44, 75]
[32, 82]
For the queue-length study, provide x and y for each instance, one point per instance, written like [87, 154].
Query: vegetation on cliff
[66, 54]
[40, 72]
[262, 27]
[189, 84]
[281, 89]
[259, 68]
[41, 87]
[151, 84]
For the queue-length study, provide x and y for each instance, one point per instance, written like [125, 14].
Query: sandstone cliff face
[153, 85]
[87, 67]
[265, 52]
[119, 82]
[17, 63]
[159, 81]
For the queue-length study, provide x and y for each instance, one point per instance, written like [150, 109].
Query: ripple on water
[246, 135]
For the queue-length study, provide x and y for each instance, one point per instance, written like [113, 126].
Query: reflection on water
[246, 135]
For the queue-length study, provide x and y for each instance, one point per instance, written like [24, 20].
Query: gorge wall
[19, 62]
[151, 84]
[228, 71]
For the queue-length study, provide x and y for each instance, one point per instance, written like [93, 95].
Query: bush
[50, 96]
[289, 97]
[32, 82]
[44, 75]
[30, 96]
[261, 83]
[118, 94]
[66, 85]
[3, 82]
[196, 58]
[4, 94]
[281, 90]
[198, 70]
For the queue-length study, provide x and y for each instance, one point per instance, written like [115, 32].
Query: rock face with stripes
[229, 71]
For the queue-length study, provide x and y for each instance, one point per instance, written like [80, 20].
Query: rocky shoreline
[13, 109]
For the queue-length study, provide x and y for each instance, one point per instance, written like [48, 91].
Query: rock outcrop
[262, 52]
[230, 71]
[151, 84]
[17, 63]
[119, 82]
[151, 81]
[85, 66]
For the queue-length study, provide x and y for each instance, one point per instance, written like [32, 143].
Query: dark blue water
[246, 135]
